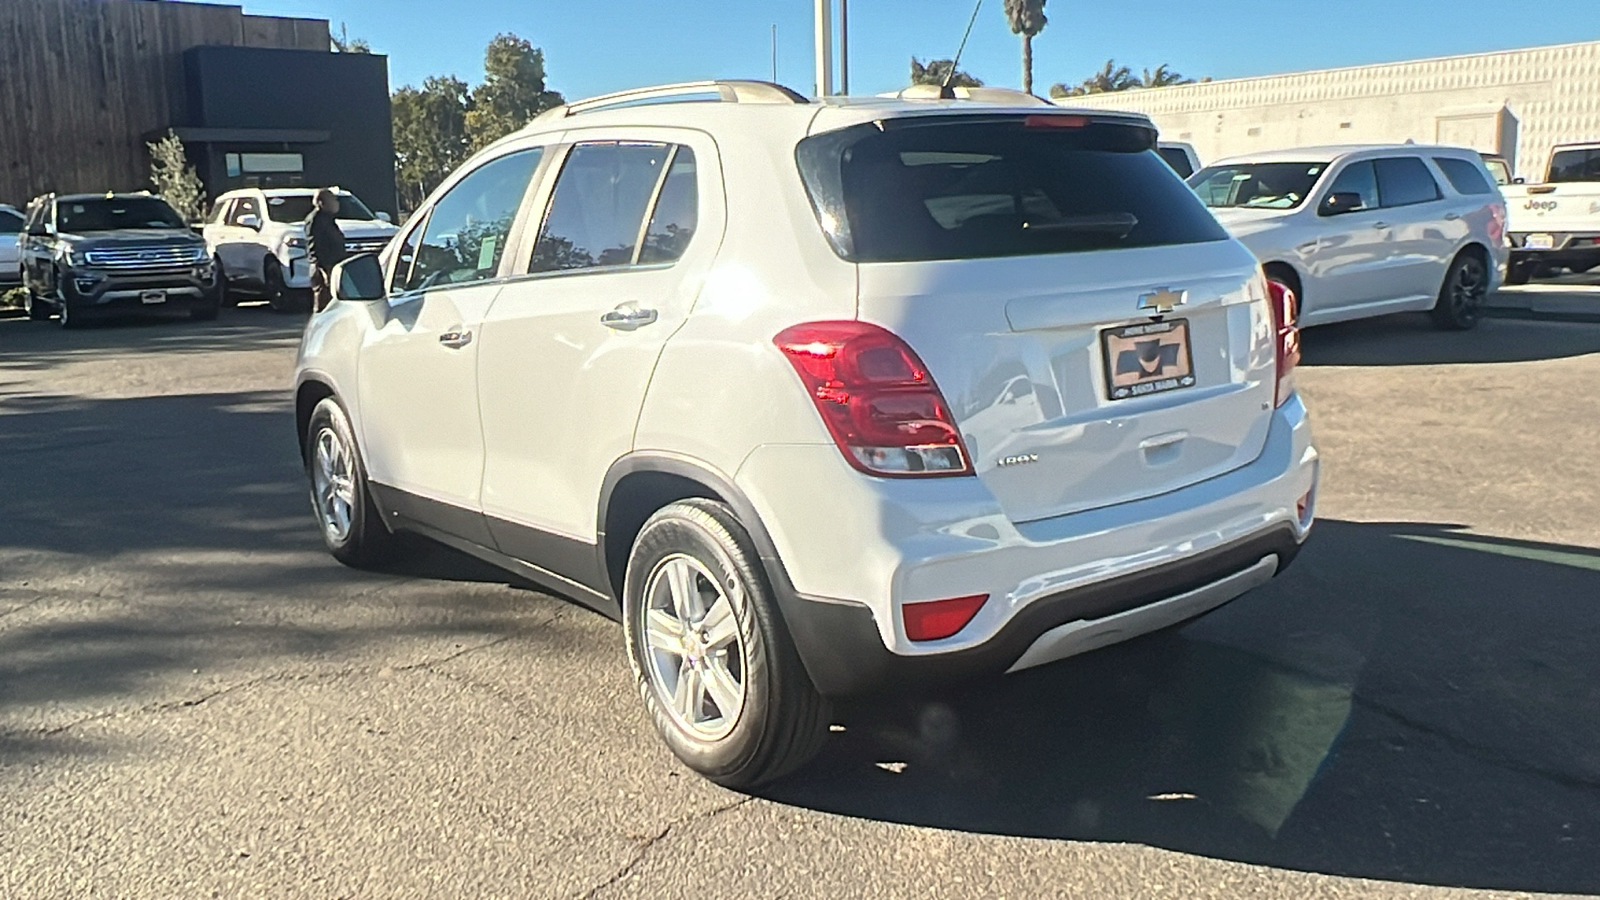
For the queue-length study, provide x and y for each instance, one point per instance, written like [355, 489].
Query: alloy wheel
[1469, 290]
[694, 657]
[333, 484]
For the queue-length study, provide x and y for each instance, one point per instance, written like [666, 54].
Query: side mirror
[250, 221]
[385, 217]
[359, 278]
[1341, 202]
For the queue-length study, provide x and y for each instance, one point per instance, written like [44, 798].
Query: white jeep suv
[258, 238]
[818, 397]
[1365, 231]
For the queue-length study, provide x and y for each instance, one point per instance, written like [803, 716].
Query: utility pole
[824, 34]
[774, 54]
[844, 46]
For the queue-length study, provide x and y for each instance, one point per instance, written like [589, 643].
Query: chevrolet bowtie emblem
[1163, 301]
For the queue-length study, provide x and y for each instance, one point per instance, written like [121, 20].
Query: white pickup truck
[1556, 224]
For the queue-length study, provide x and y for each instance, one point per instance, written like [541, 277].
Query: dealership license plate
[153, 297]
[1540, 242]
[1147, 359]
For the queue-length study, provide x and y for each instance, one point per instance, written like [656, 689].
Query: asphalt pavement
[195, 701]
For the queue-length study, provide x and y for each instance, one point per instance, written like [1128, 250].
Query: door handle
[1380, 225]
[1452, 217]
[627, 319]
[455, 340]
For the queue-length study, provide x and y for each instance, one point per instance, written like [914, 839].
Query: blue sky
[596, 46]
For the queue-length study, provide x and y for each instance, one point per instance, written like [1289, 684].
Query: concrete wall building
[257, 100]
[1518, 103]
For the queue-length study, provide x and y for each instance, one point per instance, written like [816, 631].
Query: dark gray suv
[93, 255]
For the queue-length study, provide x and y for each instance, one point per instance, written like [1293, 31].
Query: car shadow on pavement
[27, 346]
[1408, 702]
[1412, 340]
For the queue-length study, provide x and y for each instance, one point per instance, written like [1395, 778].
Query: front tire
[352, 528]
[279, 296]
[67, 310]
[38, 310]
[710, 655]
[1461, 298]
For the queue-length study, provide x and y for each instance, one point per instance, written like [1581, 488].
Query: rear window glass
[938, 188]
[1575, 165]
[1464, 176]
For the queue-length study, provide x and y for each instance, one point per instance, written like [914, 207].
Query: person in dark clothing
[324, 247]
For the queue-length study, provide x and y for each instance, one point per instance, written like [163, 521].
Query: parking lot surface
[196, 701]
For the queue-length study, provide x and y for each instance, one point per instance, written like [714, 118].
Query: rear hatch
[1097, 335]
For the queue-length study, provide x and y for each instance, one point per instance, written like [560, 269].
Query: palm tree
[1162, 76]
[936, 69]
[1027, 19]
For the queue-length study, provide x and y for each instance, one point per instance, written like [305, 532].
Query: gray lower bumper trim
[1082, 636]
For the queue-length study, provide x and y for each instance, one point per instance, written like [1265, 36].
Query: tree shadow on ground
[28, 346]
[1408, 702]
[1412, 340]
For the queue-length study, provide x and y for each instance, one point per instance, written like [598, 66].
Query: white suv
[258, 238]
[1369, 230]
[818, 397]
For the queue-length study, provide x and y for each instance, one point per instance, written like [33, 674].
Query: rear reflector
[1286, 335]
[937, 619]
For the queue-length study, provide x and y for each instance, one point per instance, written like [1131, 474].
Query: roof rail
[979, 94]
[727, 91]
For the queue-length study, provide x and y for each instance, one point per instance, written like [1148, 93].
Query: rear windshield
[1575, 165]
[1279, 185]
[113, 213]
[297, 208]
[958, 188]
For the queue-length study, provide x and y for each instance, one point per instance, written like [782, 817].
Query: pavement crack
[644, 847]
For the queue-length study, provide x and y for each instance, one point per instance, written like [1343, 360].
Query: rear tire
[704, 634]
[352, 528]
[1461, 298]
[1518, 273]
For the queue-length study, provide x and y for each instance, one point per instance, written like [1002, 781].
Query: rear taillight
[1286, 335]
[1497, 224]
[877, 399]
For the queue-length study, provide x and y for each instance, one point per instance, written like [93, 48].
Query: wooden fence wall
[83, 82]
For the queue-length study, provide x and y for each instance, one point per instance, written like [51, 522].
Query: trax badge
[1163, 301]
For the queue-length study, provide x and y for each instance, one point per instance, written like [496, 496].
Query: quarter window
[1405, 181]
[676, 214]
[465, 236]
[1464, 176]
[1357, 178]
[598, 209]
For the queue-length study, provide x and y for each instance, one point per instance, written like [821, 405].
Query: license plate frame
[1540, 241]
[1128, 353]
[151, 298]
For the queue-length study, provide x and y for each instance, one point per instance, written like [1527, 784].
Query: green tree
[1110, 78]
[1026, 18]
[430, 135]
[512, 93]
[175, 180]
[935, 71]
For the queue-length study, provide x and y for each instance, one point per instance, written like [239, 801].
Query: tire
[37, 308]
[226, 297]
[1461, 297]
[352, 528]
[279, 297]
[211, 302]
[1518, 273]
[68, 312]
[1583, 269]
[779, 721]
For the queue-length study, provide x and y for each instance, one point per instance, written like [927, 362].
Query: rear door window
[597, 212]
[1405, 181]
[969, 187]
[1465, 177]
[10, 222]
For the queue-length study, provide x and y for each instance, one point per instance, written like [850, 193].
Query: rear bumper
[1056, 587]
[1569, 248]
